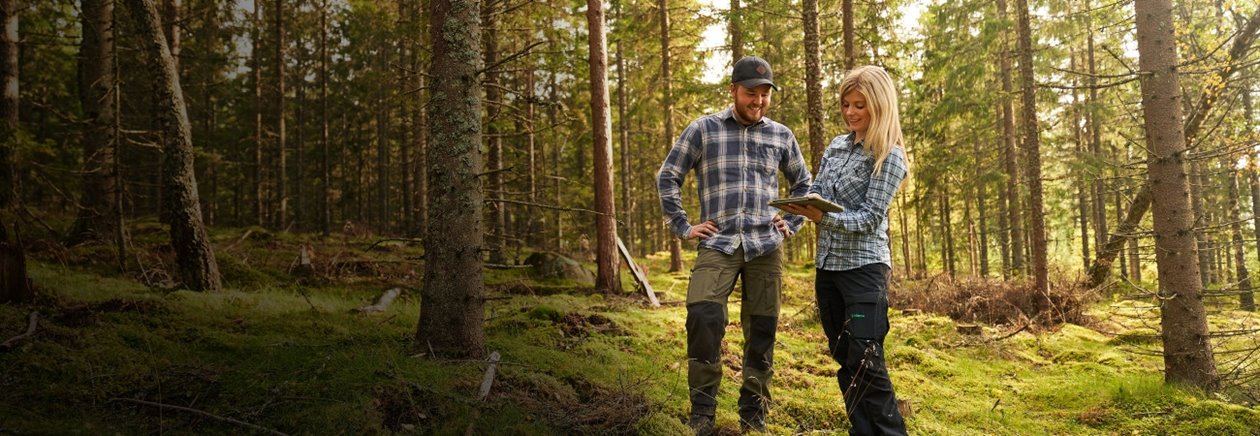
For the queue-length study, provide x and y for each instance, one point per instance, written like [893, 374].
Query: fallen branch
[544, 206]
[30, 330]
[488, 380]
[503, 266]
[239, 240]
[202, 413]
[382, 303]
[374, 244]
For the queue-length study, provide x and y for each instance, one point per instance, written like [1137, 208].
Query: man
[737, 155]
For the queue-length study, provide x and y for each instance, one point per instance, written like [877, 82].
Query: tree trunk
[494, 161]
[1032, 152]
[947, 230]
[299, 146]
[607, 279]
[905, 232]
[281, 219]
[1237, 52]
[193, 254]
[1082, 199]
[97, 207]
[381, 210]
[1004, 218]
[260, 210]
[736, 32]
[170, 28]
[1246, 299]
[1099, 188]
[555, 165]
[675, 244]
[813, 83]
[1010, 152]
[846, 17]
[451, 300]
[533, 229]
[1187, 347]
[623, 136]
[325, 195]
[1196, 208]
[982, 218]
[973, 263]
[9, 105]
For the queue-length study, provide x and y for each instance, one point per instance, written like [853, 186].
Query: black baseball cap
[751, 72]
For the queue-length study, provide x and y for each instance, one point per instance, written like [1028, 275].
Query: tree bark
[451, 300]
[846, 17]
[9, 104]
[193, 254]
[1032, 152]
[282, 150]
[736, 32]
[1246, 299]
[1010, 152]
[607, 278]
[982, 218]
[1187, 347]
[947, 230]
[1237, 52]
[813, 83]
[97, 207]
[1202, 217]
[667, 98]
[623, 136]
[299, 146]
[325, 195]
[259, 202]
[494, 161]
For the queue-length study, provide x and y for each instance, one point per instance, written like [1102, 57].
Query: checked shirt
[737, 173]
[858, 236]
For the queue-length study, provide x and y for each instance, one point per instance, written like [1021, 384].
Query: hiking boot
[754, 424]
[701, 424]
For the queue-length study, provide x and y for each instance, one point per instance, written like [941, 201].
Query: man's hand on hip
[703, 230]
[782, 226]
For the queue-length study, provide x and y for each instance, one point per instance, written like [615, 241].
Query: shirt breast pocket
[768, 158]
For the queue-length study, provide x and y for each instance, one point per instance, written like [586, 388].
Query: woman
[860, 171]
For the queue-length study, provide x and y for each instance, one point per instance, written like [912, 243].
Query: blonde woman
[861, 171]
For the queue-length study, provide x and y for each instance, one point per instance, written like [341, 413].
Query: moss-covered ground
[282, 350]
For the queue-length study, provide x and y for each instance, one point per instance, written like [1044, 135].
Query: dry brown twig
[30, 330]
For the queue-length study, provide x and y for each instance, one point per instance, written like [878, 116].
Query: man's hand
[782, 226]
[703, 230]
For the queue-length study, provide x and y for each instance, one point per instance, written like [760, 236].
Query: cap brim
[753, 83]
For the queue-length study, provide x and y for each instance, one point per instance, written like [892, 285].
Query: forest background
[1038, 193]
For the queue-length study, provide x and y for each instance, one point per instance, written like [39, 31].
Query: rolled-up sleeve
[796, 172]
[682, 157]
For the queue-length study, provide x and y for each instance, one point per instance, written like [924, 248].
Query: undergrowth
[282, 349]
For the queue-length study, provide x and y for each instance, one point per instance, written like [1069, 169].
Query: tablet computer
[823, 205]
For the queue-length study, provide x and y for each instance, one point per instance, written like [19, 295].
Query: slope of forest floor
[282, 350]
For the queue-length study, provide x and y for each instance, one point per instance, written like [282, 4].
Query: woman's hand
[814, 214]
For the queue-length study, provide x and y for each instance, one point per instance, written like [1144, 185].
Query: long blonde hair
[884, 131]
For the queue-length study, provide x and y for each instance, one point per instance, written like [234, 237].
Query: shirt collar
[852, 137]
[729, 114]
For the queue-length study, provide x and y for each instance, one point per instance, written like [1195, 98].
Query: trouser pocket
[866, 315]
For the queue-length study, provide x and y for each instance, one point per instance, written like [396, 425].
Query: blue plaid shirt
[858, 236]
[737, 171]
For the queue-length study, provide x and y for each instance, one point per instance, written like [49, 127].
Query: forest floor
[282, 350]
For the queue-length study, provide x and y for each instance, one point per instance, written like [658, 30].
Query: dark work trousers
[712, 281]
[853, 305]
